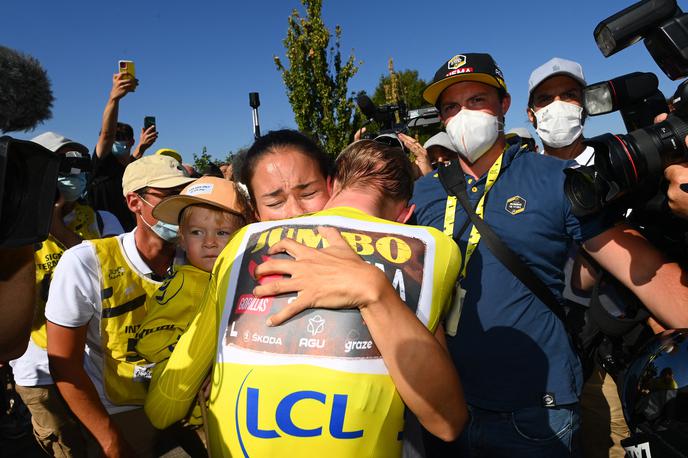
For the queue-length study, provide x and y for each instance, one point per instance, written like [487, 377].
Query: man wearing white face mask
[555, 108]
[520, 373]
[97, 301]
[55, 429]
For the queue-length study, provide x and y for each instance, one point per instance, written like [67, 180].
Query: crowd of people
[290, 305]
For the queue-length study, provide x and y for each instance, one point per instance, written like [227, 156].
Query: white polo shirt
[74, 300]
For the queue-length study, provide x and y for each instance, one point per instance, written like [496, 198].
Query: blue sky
[197, 61]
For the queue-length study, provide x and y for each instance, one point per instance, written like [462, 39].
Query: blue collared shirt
[510, 349]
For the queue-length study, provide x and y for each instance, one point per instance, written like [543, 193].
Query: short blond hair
[367, 164]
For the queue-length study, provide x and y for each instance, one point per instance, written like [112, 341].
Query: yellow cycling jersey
[317, 384]
[47, 254]
[170, 310]
[124, 291]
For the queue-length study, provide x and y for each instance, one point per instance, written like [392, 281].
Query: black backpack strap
[453, 180]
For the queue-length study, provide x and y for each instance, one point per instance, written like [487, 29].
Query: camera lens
[636, 160]
[582, 191]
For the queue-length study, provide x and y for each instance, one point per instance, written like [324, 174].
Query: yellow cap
[171, 153]
[155, 172]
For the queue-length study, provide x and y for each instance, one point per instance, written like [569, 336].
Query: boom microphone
[25, 94]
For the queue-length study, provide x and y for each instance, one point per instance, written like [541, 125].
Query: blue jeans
[530, 432]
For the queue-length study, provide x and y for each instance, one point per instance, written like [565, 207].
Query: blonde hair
[368, 164]
[221, 216]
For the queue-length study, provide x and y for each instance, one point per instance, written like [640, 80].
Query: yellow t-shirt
[316, 385]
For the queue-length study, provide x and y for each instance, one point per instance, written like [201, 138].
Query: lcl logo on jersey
[282, 414]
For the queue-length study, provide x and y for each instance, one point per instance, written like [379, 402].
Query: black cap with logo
[465, 67]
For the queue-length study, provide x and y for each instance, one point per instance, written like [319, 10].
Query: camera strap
[452, 178]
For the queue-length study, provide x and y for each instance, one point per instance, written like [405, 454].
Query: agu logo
[316, 325]
[258, 411]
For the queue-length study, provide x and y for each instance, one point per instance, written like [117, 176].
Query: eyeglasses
[160, 195]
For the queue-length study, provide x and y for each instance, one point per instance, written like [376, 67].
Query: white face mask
[473, 132]
[559, 124]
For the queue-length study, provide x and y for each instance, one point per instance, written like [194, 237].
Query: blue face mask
[166, 231]
[121, 149]
[71, 187]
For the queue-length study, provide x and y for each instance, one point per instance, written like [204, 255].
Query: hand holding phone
[149, 121]
[127, 66]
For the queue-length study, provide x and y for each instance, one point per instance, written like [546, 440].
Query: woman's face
[287, 183]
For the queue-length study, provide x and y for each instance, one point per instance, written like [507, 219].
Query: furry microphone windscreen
[25, 94]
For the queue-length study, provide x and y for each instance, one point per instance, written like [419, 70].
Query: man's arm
[66, 355]
[121, 85]
[146, 140]
[417, 361]
[17, 299]
[661, 285]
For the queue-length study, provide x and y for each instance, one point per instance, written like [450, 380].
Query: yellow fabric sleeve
[173, 390]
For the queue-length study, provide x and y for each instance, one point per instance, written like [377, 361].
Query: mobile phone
[149, 121]
[127, 66]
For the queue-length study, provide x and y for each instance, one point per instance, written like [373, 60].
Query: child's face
[204, 235]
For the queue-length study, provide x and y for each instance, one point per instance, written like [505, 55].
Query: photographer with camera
[508, 340]
[25, 100]
[555, 108]
[55, 428]
[113, 153]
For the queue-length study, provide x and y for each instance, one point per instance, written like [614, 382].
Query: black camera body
[628, 170]
[394, 118]
[28, 173]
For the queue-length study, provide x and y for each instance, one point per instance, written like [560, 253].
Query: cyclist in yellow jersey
[332, 381]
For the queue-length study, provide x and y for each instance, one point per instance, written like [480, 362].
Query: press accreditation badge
[452, 321]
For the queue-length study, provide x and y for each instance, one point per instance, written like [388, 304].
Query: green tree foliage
[202, 161]
[410, 86]
[317, 80]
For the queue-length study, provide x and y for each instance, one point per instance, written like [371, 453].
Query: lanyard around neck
[450, 213]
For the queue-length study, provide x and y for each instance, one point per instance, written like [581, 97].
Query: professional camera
[629, 168]
[394, 118]
[28, 172]
[28, 180]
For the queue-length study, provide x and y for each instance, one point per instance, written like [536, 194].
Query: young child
[208, 212]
